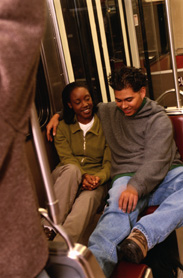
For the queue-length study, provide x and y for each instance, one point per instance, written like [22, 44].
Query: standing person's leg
[66, 183]
[155, 228]
[83, 211]
[113, 226]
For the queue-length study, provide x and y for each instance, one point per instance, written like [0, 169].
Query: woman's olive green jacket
[90, 153]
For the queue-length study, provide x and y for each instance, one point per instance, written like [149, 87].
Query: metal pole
[53, 206]
[132, 34]
[52, 215]
[172, 49]
[145, 45]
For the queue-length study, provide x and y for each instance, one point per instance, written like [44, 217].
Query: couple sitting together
[129, 141]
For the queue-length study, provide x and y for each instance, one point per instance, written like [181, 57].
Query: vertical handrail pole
[132, 33]
[53, 207]
[172, 49]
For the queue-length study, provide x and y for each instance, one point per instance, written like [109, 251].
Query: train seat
[177, 121]
[129, 270]
[168, 248]
[126, 269]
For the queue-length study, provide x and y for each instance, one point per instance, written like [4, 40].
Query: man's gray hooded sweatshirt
[142, 145]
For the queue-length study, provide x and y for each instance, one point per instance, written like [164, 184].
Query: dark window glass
[41, 97]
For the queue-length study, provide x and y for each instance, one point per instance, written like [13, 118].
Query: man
[24, 250]
[146, 170]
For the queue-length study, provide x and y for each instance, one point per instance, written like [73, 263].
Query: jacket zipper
[84, 148]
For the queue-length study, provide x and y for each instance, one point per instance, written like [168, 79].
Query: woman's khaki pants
[77, 207]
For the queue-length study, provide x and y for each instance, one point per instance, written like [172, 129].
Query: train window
[96, 44]
[51, 73]
[113, 31]
[101, 35]
[80, 44]
[42, 101]
[42, 98]
[153, 39]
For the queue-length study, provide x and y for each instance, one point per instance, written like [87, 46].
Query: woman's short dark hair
[68, 113]
[127, 77]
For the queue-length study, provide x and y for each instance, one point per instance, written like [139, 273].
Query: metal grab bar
[52, 215]
[172, 50]
[166, 92]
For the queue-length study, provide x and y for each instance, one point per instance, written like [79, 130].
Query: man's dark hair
[68, 113]
[127, 77]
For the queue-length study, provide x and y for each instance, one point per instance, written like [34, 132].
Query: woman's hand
[128, 199]
[90, 182]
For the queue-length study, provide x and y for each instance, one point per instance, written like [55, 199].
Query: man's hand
[53, 123]
[128, 199]
[90, 182]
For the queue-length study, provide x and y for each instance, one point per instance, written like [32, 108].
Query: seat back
[177, 121]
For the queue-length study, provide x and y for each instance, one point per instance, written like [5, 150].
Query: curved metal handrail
[166, 92]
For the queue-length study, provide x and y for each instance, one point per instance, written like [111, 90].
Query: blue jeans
[115, 225]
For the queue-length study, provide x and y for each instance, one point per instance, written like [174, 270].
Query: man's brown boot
[134, 247]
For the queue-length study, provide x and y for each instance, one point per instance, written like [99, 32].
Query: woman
[80, 177]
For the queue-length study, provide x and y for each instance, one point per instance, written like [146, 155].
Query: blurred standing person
[23, 251]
